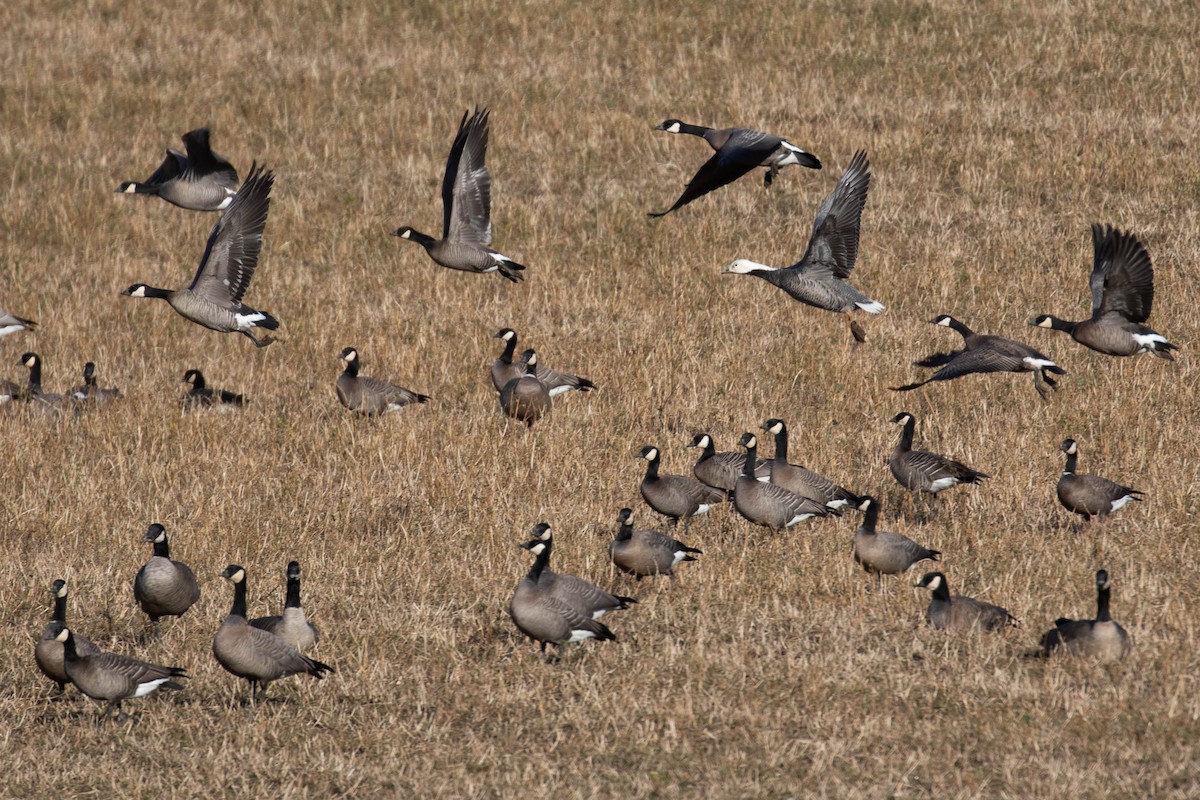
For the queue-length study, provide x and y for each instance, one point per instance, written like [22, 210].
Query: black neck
[695, 130]
[540, 563]
[906, 435]
[709, 450]
[626, 532]
[1102, 605]
[69, 653]
[510, 347]
[161, 294]
[239, 598]
[1069, 468]
[871, 517]
[942, 592]
[1062, 324]
[423, 239]
[751, 460]
[961, 328]
[652, 467]
[60, 609]
[781, 445]
[162, 548]
[198, 382]
[352, 366]
[293, 593]
[35, 377]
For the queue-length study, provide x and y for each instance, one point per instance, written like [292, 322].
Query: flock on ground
[555, 608]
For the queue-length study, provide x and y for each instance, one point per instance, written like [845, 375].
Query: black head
[649, 452]
[155, 533]
[748, 440]
[867, 502]
[404, 232]
[774, 426]
[293, 569]
[1044, 321]
[234, 573]
[1102, 582]
[700, 440]
[507, 334]
[625, 516]
[29, 360]
[945, 320]
[349, 355]
[541, 538]
[194, 376]
[136, 290]
[529, 358]
[59, 588]
[1069, 447]
[89, 369]
[902, 418]
[669, 125]
[931, 581]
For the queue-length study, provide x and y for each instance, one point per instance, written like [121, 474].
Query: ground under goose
[1122, 285]
[1101, 638]
[90, 391]
[738, 152]
[961, 613]
[643, 552]
[821, 277]
[467, 208]
[986, 353]
[769, 504]
[720, 470]
[921, 470]
[505, 368]
[257, 655]
[198, 181]
[203, 395]
[214, 297]
[367, 395]
[885, 552]
[526, 399]
[800, 480]
[48, 652]
[292, 625]
[114, 678]
[676, 497]
[11, 323]
[163, 586]
[1090, 495]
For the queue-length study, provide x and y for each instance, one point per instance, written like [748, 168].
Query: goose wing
[467, 184]
[1122, 279]
[233, 246]
[833, 247]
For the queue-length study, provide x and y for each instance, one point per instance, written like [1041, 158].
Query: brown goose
[48, 652]
[90, 392]
[960, 613]
[114, 678]
[252, 653]
[676, 497]
[923, 471]
[11, 323]
[1122, 286]
[644, 552]
[467, 208]
[1101, 638]
[214, 297]
[800, 480]
[986, 353]
[885, 552]
[1090, 495]
[505, 368]
[526, 399]
[202, 395]
[769, 504]
[720, 470]
[199, 181]
[370, 395]
[738, 152]
[584, 597]
[164, 587]
[292, 625]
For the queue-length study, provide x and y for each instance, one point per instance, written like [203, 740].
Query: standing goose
[11, 323]
[370, 395]
[292, 626]
[676, 497]
[1090, 495]
[738, 151]
[584, 597]
[820, 278]
[33, 390]
[90, 391]
[199, 181]
[526, 399]
[214, 297]
[257, 655]
[800, 480]
[885, 552]
[114, 678]
[960, 613]
[48, 652]
[720, 470]
[1122, 286]
[923, 471]
[201, 395]
[545, 618]
[986, 353]
[769, 504]
[1100, 638]
[164, 587]
[645, 552]
[467, 208]
[505, 368]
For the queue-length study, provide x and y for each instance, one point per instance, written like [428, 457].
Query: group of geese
[553, 608]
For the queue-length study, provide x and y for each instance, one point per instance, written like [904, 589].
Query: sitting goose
[526, 399]
[467, 208]
[720, 470]
[90, 392]
[199, 181]
[1122, 286]
[960, 613]
[676, 497]
[505, 368]
[644, 552]
[214, 297]
[370, 395]
[769, 504]
[800, 480]
[114, 678]
[1090, 495]
[48, 652]
[885, 552]
[50, 403]
[202, 395]
[1101, 638]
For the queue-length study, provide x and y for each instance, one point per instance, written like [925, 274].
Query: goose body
[526, 399]
[90, 391]
[164, 587]
[114, 678]
[769, 504]
[506, 368]
[961, 613]
[292, 625]
[676, 497]
[198, 181]
[720, 470]
[1090, 495]
[46, 402]
[800, 480]
[1102, 638]
[202, 395]
[11, 323]
[48, 652]
[367, 395]
[885, 552]
[644, 552]
[581, 595]
[923, 471]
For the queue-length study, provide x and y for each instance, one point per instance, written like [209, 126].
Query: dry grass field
[998, 133]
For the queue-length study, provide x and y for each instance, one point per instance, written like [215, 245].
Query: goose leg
[857, 331]
[263, 342]
[769, 177]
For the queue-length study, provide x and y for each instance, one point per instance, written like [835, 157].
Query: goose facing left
[11, 323]
[34, 394]
[1090, 495]
[114, 678]
[505, 368]
[367, 395]
[676, 497]
[91, 391]
[48, 652]
[198, 181]
[643, 553]
[467, 208]
[214, 297]
[163, 586]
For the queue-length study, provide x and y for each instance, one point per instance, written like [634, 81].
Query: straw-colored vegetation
[997, 132]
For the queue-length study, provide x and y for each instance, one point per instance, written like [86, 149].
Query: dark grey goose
[505, 368]
[90, 391]
[676, 497]
[526, 399]
[769, 504]
[39, 399]
[584, 597]
[48, 652]
[198, 181]
[202, 395]
[921, 470]
[11, 323]
[1090, 495]
[292, 625]
[800, 480]
[164, 587]
[885, 552]
[1100, 638]
[466, 208]
[960, 613]
[367, 395]
[214, 297]
[643, 553]
[114, 678]
[720, 470]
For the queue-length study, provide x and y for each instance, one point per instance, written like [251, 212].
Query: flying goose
[738, 151]
[800, 480]
[467, 208]
[199, 181]
[960, 613]
[921, 470]
[39, 399]
[544, 617]
[292, 626]
[505, 368]
[769, 504]
[257, 655]
[1122, 286]
[820, 278]
[676, 497]
[526, 399]
[201, 395]
[164, 587]
[1100, 638]
[11, 323]
[720, 470]
[214, 298]
[48, 652]
[370, 395]
[584, 597]
[986, 353]
[885, 552]
[90, 391]
[114, 678]
[1090, 495]
[645, 552]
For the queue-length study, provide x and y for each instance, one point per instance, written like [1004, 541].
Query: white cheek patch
[674, 128]
[935, 583]
[131, 189]
[944, 322]
[139, 292]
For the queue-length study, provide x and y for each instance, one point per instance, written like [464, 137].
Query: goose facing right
[11, 323]
[164, 587]
[1101, 638]
[643, 553]
[1089, 495]
[676, 497]
[114, 678]
[961, 613]
[370, 396]
[199, 181]
[48, 652]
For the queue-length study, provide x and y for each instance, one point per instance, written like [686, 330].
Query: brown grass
[997, 134]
